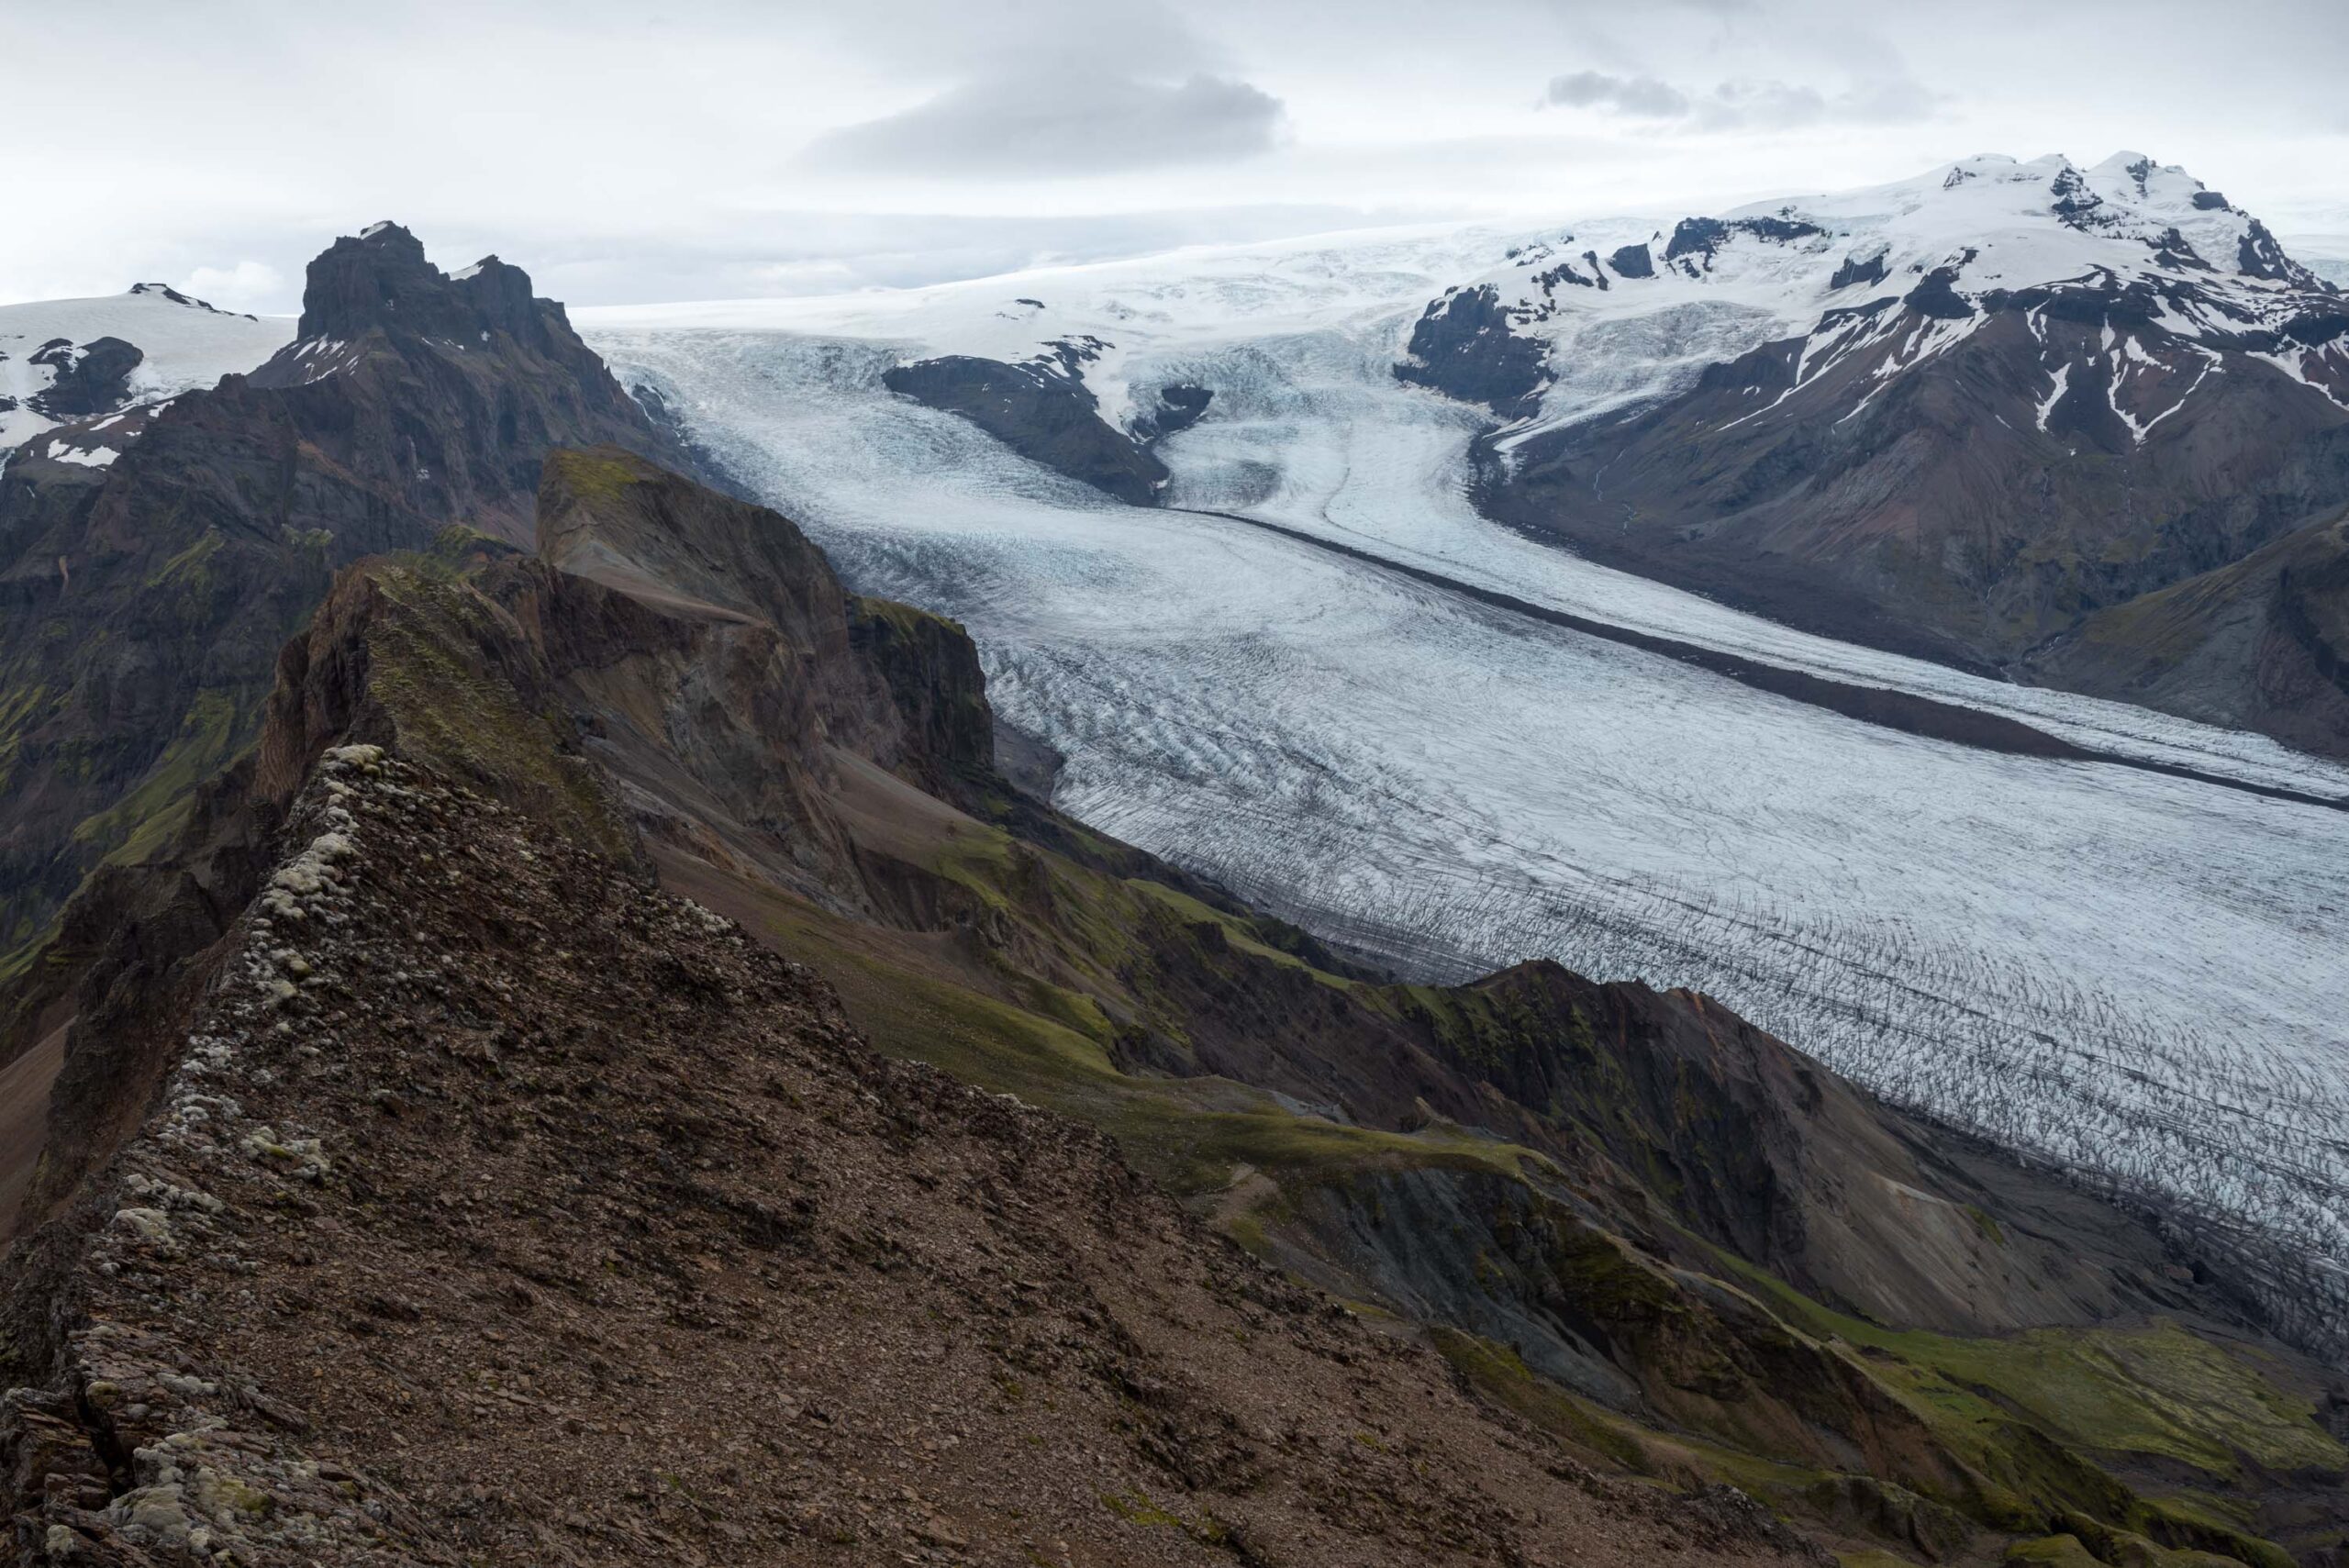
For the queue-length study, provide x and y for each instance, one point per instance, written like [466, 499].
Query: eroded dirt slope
[506, 1209]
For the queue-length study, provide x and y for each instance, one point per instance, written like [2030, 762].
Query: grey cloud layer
[1081, 125]
[1741, 104]
[1641, 95]
[649, 148]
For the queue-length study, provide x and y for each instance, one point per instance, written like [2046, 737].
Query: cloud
[1072, 125]
[1783, 106]
[246, 283]
[1642, 97]
[947, 39]
[801, 250]
[1744, 104]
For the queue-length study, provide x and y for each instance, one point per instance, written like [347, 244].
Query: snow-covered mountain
[1956, 416]
[113, 359]
[1614, 313]
[2182, 271]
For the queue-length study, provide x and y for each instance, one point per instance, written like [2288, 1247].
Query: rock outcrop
[1462, 346]
[90, 378]
[565, 1221]
[1040, 410]
[148, 586]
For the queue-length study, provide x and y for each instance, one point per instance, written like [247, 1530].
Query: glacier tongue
[2134, 974]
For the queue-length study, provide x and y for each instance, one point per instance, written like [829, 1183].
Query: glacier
[2138, 977]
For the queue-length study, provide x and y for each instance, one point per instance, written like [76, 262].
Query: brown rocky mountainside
[145, 600]
[1960, 513]
[506, 1209]
[2260, 644]
[560, 1217]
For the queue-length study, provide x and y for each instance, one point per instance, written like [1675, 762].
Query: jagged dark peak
[1703, 236]
[381, 279]
[166, 292]
[2258, 255]
[2069, 196]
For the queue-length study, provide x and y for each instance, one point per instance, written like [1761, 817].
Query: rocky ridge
[151, 565]
[1671, 1245]
[436, 1220]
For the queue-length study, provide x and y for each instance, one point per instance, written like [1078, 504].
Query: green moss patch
[596, 475]
[210, 732]
[434, 668]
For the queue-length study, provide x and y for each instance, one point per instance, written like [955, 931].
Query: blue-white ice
[2139, 974]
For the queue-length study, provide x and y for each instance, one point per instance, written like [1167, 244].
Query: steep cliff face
[148, 590]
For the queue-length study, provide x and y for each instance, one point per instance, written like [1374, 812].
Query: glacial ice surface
[2141, 976]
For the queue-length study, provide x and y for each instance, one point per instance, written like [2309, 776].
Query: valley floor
[2136, 973]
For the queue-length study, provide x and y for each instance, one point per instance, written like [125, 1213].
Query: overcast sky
[645, 150]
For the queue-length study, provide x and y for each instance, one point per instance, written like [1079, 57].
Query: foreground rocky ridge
[448, 1243]
[1673, 1246]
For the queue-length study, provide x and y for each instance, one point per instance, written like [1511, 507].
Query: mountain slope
[1966, 411]
[647, 1198]
[1366, 716]
[2262, 643]
[148, 594]
[591, 1147]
